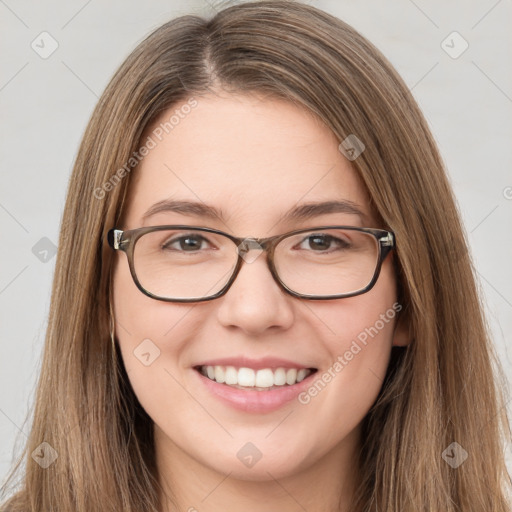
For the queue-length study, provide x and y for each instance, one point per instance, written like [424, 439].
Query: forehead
[250, 157]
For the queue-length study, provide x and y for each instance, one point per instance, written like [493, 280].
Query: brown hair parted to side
[445, 387]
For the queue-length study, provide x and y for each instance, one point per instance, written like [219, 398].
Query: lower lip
[254, 401]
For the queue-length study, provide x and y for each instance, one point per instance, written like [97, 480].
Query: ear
[402, 336]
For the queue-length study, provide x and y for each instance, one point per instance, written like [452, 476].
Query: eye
[320, 242]
[186, 243]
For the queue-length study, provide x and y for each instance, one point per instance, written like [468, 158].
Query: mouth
[263, 379]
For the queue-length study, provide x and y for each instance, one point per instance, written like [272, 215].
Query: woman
[294, 324]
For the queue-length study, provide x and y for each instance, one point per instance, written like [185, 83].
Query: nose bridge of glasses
[248, 244]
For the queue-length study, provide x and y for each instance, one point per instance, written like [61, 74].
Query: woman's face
[255, 159]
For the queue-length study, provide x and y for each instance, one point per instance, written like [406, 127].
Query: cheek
[358, 340]
[139, 316]
[365, 321]
[149, 335]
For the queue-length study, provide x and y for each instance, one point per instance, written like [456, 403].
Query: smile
[248, 378]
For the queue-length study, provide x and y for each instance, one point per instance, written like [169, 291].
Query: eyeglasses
[190, 264]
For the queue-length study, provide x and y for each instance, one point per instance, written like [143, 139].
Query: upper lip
[256, 364]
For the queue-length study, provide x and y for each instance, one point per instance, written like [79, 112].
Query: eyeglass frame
[125, 240]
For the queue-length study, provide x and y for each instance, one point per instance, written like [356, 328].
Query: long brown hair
[445, 387]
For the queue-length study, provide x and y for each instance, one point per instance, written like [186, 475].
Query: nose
[255, 302]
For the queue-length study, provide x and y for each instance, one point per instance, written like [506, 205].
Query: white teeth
[301, 374]
[247, 377]
[231, 375]
[264, 378]
[280, 377]
[219, 374]
[291, 376]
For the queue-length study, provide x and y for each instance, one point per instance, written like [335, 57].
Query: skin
[255, 158]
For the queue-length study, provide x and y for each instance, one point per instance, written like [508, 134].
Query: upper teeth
[247, 377]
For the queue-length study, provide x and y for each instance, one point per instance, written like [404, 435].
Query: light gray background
[45, 105]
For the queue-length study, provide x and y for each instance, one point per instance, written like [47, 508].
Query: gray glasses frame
[125, 241]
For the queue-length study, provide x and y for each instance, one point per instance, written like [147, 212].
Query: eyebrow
[300, 212]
